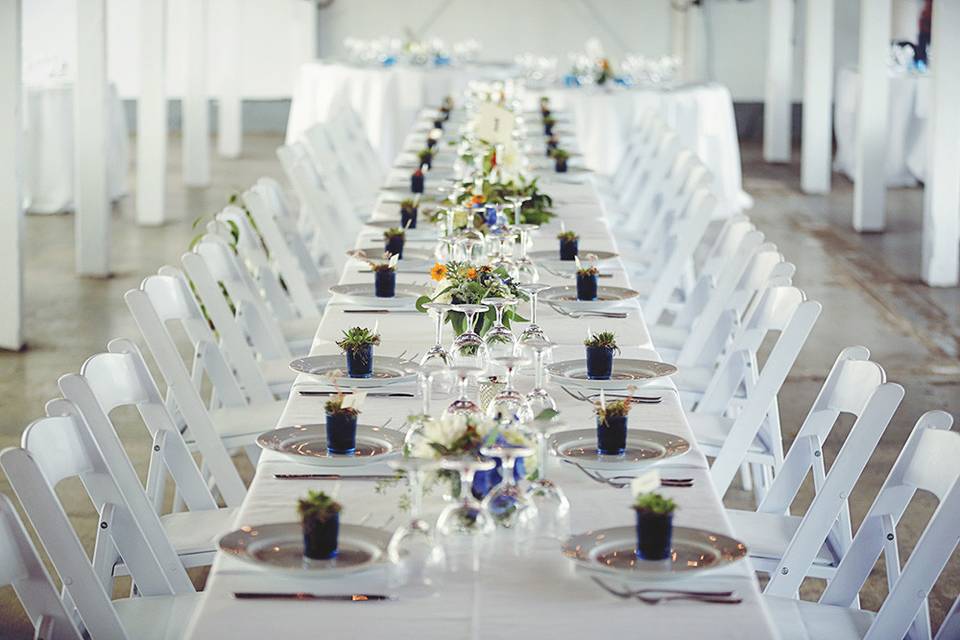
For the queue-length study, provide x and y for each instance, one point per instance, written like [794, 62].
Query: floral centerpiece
[536, 210]
[463, 435]
[467, 283]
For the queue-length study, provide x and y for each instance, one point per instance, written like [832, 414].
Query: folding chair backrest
[21, 568]
[927, 462]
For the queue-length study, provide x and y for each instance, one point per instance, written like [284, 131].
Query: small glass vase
[320, 537]
[586, 286]
[360, 362]
[569, 249]
[342, 432]
[612, 435]
[599, 363]
[394, 246]
[654, 534]
[385, 283]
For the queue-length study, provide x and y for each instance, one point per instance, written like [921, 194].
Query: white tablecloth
[539, 596]
[702, 115]
[387, 98]
[906, 130]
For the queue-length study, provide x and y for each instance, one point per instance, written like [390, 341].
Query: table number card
[494, 124]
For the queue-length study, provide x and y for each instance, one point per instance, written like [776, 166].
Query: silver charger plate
[645, 448]
[626, 372]
[279, 547]
[694, 552]
[606, 297]
[553, 255]
[307, 444]
[405, 295]
[386, 370]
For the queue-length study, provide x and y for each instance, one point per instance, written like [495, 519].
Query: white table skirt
[701, 115]
[906, 130]
[532, 597]
[48, 143]
[387, 98]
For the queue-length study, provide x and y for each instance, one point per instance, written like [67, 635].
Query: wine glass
[538, 397]
[464, 523]
[553, 508]
[510, 405]
[499, 338]
[532, 330]
[501, 260]
[509, 505]
[463, 405]
[526, 269]
[417, 560]
[437, 352]
[469, 348]
[517, 201]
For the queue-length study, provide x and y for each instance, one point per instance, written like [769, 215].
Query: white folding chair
[235, 418]
[347, 195]
[21, 568]
[754, 435]
[58, 450]
[789, 547]
[121, 378]
[927, 462]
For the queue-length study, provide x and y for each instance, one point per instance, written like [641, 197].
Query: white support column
[817, 145]
[941, 198]
[230, 112]
[11, 163]
[870, 178]
[778, 96]
[152, 114]
[92, 223]
[196, 124]
[678, 37]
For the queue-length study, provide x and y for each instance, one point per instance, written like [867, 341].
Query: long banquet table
[536, 596]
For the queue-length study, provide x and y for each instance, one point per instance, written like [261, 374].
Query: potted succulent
[416, 180]
[408, 212]
[320, 516]
[357, 344]
[341, 425]
[560, 160]
[385, 277]
[601, 348]
[426, 157]
[612, 426]
[654, 525]
[586, 281]
[569, 245]
[446, 107]
[552, 143]
[393, 241]
[545, 106]
[548, 124]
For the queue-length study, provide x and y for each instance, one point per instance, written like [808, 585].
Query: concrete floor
[868, 284]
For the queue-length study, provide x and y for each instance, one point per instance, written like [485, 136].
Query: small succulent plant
[318, 506]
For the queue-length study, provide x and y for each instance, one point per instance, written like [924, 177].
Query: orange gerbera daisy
[478, 199]
[471, 273]
[439, 272]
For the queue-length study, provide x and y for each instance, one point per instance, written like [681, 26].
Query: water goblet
[501, 260]
[464, 524]
[463, 405]
[526, 269]
[499, 338]
[517, 201]
[532, 330]
[417, 560]
[437, 352]
[509, 405]
[509, 505]
[553, 508]
[469, 348]
[538, 397]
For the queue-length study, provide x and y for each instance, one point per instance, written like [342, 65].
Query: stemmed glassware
[553, 508]
[532, 330]
[509, 405]
[437, 352]
[469, 348]
[501, 260]
[417, 559]
[538, 397]
[517, 202]
[464, 522]
[526, 269]
[463, 405]
[499, 338]
[509, 505]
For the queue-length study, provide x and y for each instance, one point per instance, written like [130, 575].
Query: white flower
[645, 483]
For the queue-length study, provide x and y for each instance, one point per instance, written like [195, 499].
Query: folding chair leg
[745, 478]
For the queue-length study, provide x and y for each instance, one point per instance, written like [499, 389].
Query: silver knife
[330, 476]
[380, 311]
[347, 597]
[392, 394]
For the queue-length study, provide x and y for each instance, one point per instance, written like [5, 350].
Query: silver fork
[620, 482]
[666, 595]
[576, 395]
[576, 315]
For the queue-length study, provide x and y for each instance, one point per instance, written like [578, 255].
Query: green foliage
[318, 506]
[393, 233]
[357, 338]
[568, 236]
[559, 154]
[603, 339]
[613, 409]
[654, 503]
